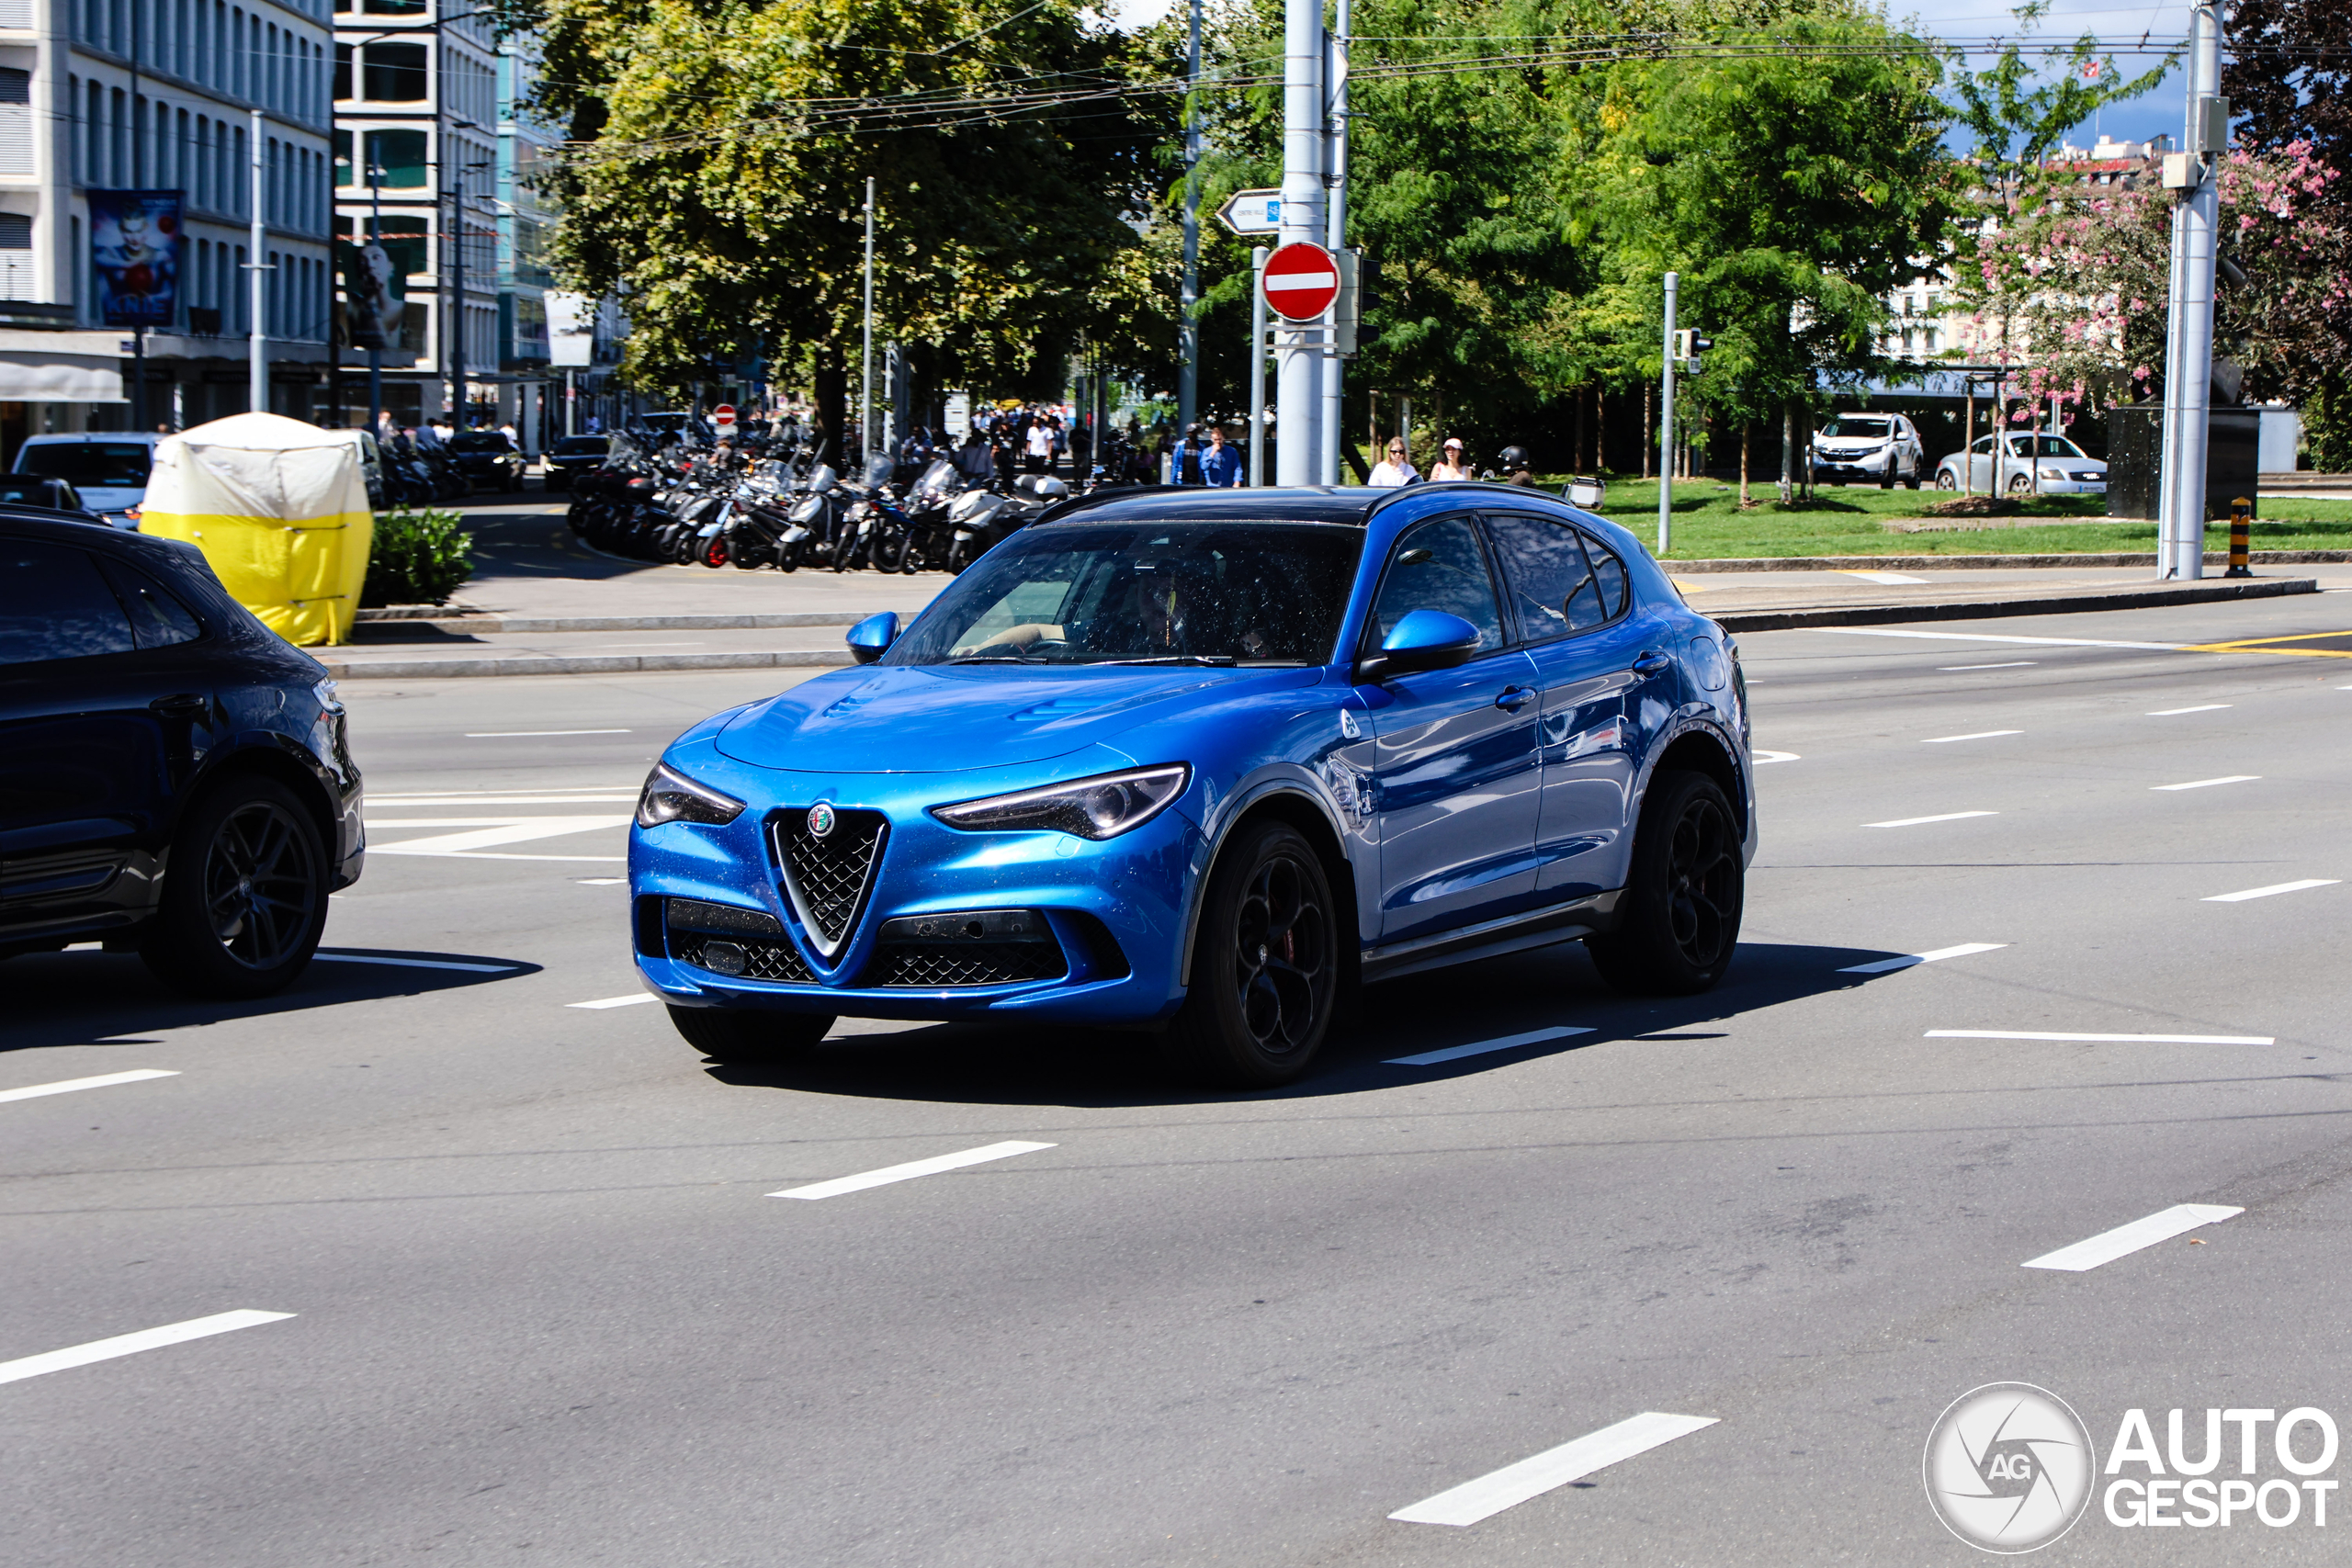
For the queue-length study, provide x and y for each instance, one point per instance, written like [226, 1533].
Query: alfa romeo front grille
[727, 940]
[828, 876]
[944, 965]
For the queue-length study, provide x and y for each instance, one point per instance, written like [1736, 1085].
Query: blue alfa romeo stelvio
[1201, 762]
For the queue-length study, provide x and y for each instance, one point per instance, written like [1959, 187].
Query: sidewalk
[543, 603]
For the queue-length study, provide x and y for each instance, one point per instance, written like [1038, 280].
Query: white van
[109, 469]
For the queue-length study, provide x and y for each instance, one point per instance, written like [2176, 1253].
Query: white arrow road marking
[67, 1085]
[2124, 1240]
[1553, 1468]
[2275, 888]
[1505, 1042]
[130, 1344]
[909, 1171]
[517, 831]
[1910, 960]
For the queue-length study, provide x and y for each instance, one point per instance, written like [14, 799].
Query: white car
[1868, 448]
[109, 469]
[2050, 463]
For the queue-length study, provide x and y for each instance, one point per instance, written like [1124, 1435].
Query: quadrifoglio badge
[2009, 1468]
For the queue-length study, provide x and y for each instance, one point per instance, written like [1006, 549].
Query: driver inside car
[1155, 617]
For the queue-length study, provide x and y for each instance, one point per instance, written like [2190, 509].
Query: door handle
[180, 704]
[1650, 661]
[1514, 698]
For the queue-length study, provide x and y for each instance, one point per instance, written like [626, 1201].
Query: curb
[1978, 563]
[622, 623]
[613, 664]
[1993, 609]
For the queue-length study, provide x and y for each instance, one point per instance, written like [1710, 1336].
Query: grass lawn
[1849, 521]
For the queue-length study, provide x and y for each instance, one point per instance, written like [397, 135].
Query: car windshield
[1856, 427]
[1127, 593]
[105, 465]
[478, 441]
[2052, 447]
[583, 446]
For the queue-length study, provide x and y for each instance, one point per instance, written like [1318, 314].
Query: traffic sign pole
[1258, 366]
[1335, 237]
[1666, 429]
[1298, 394]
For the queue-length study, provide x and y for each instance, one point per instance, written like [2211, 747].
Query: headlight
[671, 796]
[325, 691]
[1100, 807]
[2049, 473]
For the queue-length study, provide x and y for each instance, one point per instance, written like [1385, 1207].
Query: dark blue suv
[173, 776]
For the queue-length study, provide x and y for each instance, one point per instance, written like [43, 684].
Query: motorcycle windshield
[937, 479]
[878, 468]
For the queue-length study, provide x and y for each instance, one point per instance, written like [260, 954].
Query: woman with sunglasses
[1394, 469]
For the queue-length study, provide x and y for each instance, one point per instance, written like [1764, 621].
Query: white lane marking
[508, 798]
[1977, 735]
[374, 822]
[1991, 637]
[1553, 1468]
[130, 1344]
[2123, 1038]
[487, 838]
[912, 1168]
[67, 1085]
[1911, 960]
[2273, 887]
[493, 854]
[2200, 707]
[2125, 1240]
[1504, 1042]
[1760, 758]
[2010, 664]
[1892, 579]
[2207, 784]
[417, 963]
[1915, 821]
[529, 734]
[628, 1001]
[601, 881]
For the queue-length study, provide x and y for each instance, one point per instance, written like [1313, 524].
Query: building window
[394, 8]
[400, 154]
[393, 72]
[342, 71]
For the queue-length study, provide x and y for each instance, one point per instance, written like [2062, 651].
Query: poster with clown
[135, 250]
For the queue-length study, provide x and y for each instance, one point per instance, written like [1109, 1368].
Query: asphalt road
[545, 1308]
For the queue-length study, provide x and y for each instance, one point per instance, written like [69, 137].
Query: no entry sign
[1301, 281]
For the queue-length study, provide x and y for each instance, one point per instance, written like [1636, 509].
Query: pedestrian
[1186, 469]
[1040, 447]
[1395, 470]
[1082, 452]
[1220, 465]
[1452, 465]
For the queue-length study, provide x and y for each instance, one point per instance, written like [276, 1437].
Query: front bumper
[1112, 913]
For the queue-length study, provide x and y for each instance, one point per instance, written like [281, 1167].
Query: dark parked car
[173, 777]
[486, 456]
[576, 454]
[51, 495]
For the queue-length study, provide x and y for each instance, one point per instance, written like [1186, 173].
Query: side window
[1983, 444]
[1439, 566]
[1559, 580]
[157, 619]
[53, 604]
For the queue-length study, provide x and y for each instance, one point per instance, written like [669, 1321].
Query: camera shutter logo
[820, 822]
[2009, 1468]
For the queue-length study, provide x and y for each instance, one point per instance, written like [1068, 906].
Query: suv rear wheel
[1265, 965]
[1679, 920]
[244, 897]
[747, 1037]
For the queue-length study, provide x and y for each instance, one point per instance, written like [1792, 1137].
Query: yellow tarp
[279, 509]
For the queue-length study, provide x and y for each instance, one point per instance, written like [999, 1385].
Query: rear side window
[54, 604]
[157, 619]
[1559, 580]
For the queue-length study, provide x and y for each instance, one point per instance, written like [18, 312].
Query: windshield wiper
[1214, 660]
[996, 659]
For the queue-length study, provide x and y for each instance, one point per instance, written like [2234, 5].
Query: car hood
[930, 718]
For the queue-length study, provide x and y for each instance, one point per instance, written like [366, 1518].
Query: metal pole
[1336, 231]
[1188, 326]
[866, 368]
[1666, 426]
[2189, 354]
[1299, 387]
[138, 180]
[257, 337]
[457, 309]
[571, 400]
[376, 355]
[1258, 366]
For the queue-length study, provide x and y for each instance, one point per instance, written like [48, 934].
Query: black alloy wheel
[1678, 917]
[244, 897]
[1265, 965]
[742, 1037]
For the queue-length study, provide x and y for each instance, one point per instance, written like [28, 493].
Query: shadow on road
[110, 998]
[1555, 987]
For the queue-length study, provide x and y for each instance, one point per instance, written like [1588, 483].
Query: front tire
[1679, 921]
[742, 1037]
[1265, 966]
[245, 897]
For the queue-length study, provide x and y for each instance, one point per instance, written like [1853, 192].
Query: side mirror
[871, 637]
[1424, 640]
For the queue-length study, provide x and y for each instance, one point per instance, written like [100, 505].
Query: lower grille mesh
[762, 960]
[926, 966]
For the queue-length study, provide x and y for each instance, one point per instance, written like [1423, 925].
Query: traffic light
[1688, 347]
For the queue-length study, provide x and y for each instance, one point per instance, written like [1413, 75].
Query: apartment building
[417, 144]
[99, 96]
[527, 393]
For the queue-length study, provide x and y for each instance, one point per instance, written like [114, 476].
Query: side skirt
[1513, 933]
